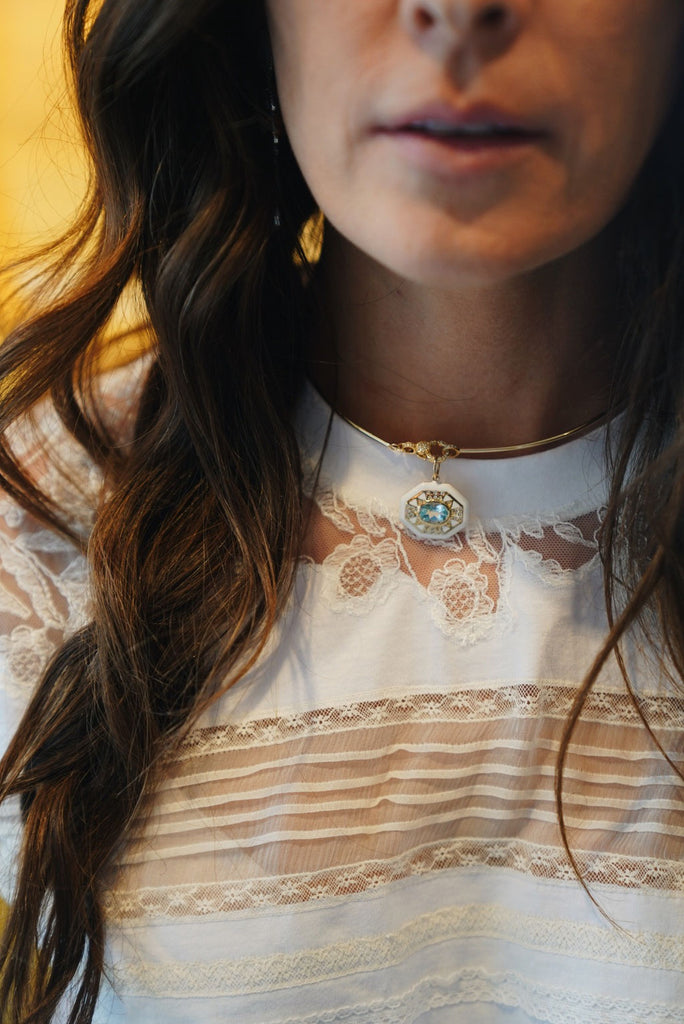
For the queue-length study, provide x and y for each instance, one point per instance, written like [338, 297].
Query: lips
[479, 129]
[457, 143]
[468, 125]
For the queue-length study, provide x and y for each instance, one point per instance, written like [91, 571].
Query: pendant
[435, 510]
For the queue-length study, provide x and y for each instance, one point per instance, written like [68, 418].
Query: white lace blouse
[364, 829]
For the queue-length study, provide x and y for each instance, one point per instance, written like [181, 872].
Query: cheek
[604, 155]
[623, 85]
[332, 59]
[322, 49]
[315, 111]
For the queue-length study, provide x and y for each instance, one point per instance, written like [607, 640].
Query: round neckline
[568, 479]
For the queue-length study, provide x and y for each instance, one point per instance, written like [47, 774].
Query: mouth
[466, 135]
[471, 126]
[466, 143]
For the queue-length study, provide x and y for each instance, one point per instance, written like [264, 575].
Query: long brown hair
[174, 101]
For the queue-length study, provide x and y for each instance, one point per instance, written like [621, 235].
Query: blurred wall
[41, 170]
[41, 164]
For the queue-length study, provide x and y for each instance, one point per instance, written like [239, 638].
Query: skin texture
[463, 292]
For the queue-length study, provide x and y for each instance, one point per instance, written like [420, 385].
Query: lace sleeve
[43, 598]
[43, 576]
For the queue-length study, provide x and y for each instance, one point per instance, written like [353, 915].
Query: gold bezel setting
[434, 510]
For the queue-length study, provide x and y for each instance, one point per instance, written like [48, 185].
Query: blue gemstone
[433, 512]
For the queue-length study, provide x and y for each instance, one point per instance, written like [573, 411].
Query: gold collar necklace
[434, 509]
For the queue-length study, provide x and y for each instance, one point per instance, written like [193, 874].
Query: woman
[334, 734]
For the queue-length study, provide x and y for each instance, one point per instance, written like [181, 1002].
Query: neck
[502, 364]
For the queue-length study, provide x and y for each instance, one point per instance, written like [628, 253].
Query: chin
[477, 255]
[459, 267]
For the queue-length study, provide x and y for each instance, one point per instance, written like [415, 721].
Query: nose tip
[439, 25]
[490, 15]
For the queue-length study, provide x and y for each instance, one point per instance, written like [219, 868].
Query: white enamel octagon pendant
[434, 510]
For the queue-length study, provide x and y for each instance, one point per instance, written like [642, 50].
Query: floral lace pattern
[44, 594]
[362, 555]
[43, 597]
[361, 574]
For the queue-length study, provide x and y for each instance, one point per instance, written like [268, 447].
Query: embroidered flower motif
[351, 880]
[432, 707]
[319, 721]
[12, 513]
[350, 713]
[443, 857]
[469, 858]
[271, 732]
[657, 874]
[26, 651]
[262, 898]
[460, 594]
[318, 891]
[468, 593]
[357, 576]
[291, 890]
[528, 700]
[376, 879]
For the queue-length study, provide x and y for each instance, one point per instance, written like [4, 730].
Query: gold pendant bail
[436, 466]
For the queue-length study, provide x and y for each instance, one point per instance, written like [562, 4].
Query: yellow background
[41, 164]
[43, 168]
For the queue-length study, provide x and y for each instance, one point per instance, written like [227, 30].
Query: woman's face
[465, 141]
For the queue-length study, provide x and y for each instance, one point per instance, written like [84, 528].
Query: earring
[276, 122]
